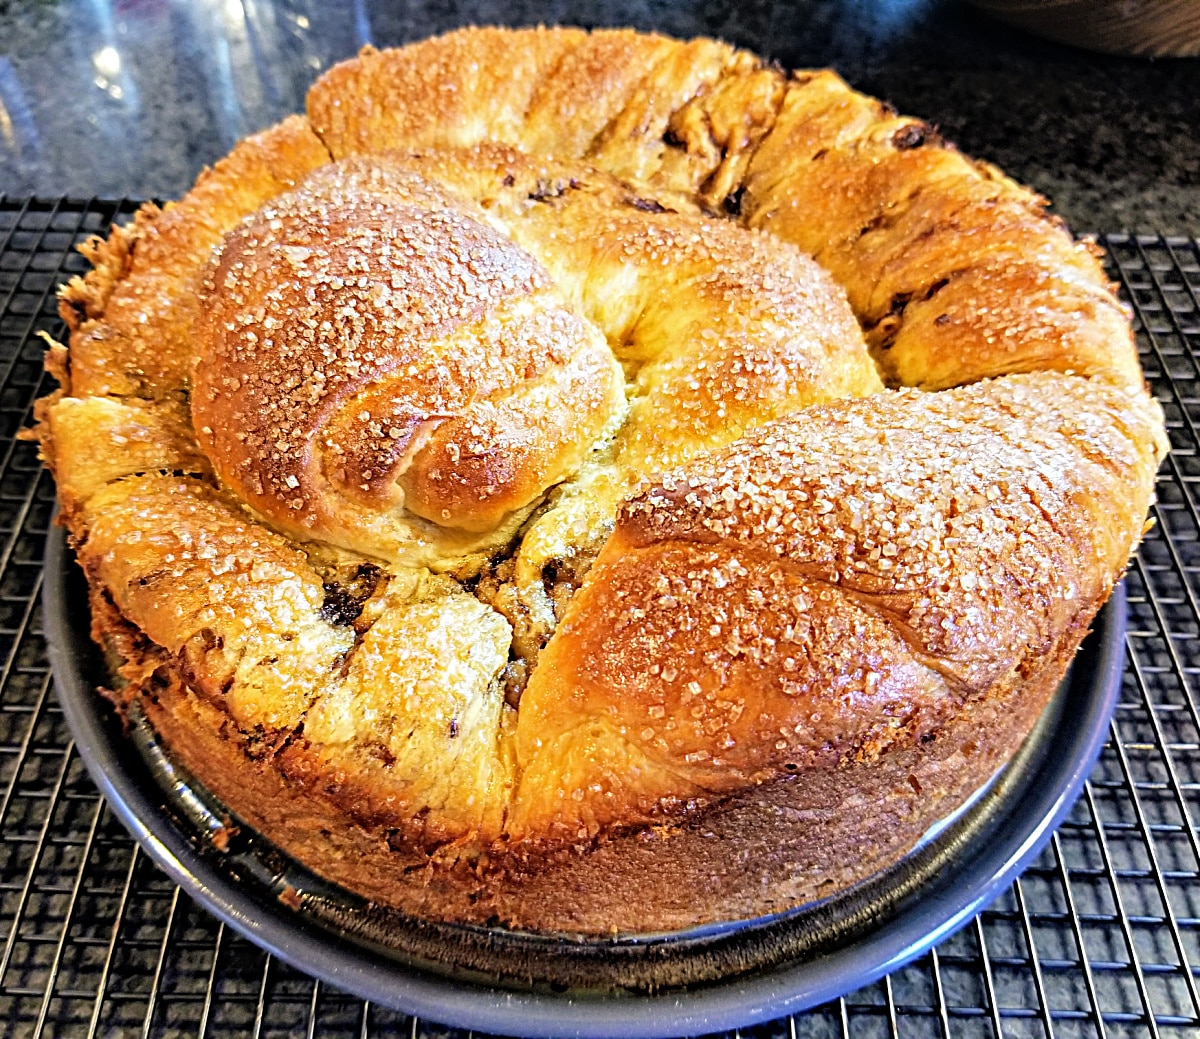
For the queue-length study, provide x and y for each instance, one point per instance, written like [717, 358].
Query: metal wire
[1099, 938]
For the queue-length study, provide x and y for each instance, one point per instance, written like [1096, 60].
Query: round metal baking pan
[788, 962]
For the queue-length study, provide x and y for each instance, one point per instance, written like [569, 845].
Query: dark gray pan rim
[1020, 826]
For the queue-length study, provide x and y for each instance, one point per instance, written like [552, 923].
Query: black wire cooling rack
[1100, 937]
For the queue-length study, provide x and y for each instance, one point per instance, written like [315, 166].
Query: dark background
[133, 97]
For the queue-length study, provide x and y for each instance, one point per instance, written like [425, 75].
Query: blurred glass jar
[1154, 28]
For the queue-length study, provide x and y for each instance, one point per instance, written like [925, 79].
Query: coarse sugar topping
[297, 327]
[953, 512]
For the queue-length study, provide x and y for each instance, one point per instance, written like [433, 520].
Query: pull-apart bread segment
[132, 318]
[956, 272]
[370, 343]
[834, 584]
[595, 482]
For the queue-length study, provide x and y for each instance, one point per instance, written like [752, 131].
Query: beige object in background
[1152, 28]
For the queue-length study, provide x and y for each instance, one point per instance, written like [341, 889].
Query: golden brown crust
[632, 145]
[799, 649]
[890, 209]
[452, 381]
[419, 97]
[97, 440]
[587, 88]
[956, 272]
[235, 603]
[438, 767]
[831, 586]
[718, 329]
[131, 319]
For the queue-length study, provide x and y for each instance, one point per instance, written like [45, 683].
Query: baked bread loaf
[593, 482]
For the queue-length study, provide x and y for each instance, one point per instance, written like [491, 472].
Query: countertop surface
[133, 97]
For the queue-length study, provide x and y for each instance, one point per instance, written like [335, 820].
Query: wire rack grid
[1099, 938]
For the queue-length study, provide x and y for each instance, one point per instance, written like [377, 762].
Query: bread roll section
[132, 318]
[372, 355]
[234, 606]
[594, 481]
[833, 585]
